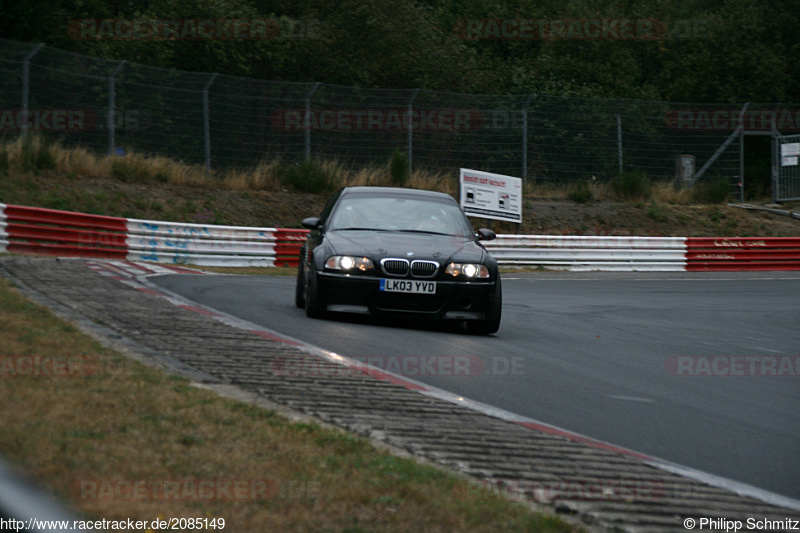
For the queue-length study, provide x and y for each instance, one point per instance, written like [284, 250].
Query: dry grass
[548, 191]
[136, 167]
[661, 192]
[263, 176]
[668, 193]
[132, 424]
[82, 162]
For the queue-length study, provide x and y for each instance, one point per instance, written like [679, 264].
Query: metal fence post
[26, 63]
[741, 159]
[307, 121]
[619, 135]
[207, 124]
[525, 139]
[411, 131]
[112, 103]
[776, 154]
[738, 131]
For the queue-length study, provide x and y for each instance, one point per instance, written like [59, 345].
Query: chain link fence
[223, 121]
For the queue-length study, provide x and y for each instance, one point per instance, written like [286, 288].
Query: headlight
[468, 270]
[348, 263]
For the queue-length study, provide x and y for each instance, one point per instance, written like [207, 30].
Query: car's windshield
[401, 213]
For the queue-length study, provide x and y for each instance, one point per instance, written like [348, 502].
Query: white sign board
[790, 149]
[789, 153]
[488, 195]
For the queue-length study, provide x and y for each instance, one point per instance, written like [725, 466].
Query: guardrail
[35, 230]
[772, 253]
[590, 253]
[212, 245]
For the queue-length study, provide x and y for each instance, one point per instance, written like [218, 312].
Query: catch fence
[224, 121]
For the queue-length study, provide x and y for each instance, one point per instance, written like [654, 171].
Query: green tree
[711, 51]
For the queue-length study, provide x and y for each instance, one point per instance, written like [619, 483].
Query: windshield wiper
[358, 229]
[397, 231]
[424, 231]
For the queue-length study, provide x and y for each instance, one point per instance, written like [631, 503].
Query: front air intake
[424, 269]
[395, 267]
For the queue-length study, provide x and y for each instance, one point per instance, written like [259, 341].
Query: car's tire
[491, 323]
[315, 308]
[300, 286]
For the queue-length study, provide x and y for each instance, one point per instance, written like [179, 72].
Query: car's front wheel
[491, 323]
[315, 308]
[300, 285]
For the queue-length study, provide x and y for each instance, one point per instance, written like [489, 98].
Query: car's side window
[323, 218]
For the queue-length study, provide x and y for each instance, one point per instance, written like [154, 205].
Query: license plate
[408, 286]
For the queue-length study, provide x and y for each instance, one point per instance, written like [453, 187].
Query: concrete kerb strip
[137, 275]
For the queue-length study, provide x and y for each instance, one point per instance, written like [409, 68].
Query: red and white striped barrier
[573, 252]
[34, 230]
[772, 253]
[210, 244]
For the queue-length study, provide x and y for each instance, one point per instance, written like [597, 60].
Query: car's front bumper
[461, 300]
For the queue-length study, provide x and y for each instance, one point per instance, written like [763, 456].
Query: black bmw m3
[382, 250]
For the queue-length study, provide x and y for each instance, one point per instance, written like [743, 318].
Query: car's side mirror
[485, 234]
[310, 222]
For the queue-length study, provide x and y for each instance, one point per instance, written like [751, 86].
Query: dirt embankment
[182, 203]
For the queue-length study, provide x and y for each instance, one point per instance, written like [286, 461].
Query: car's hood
[379, 244]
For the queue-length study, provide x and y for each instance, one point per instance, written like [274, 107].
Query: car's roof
[395, 191]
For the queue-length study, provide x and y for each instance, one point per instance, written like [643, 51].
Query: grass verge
[93, 430]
